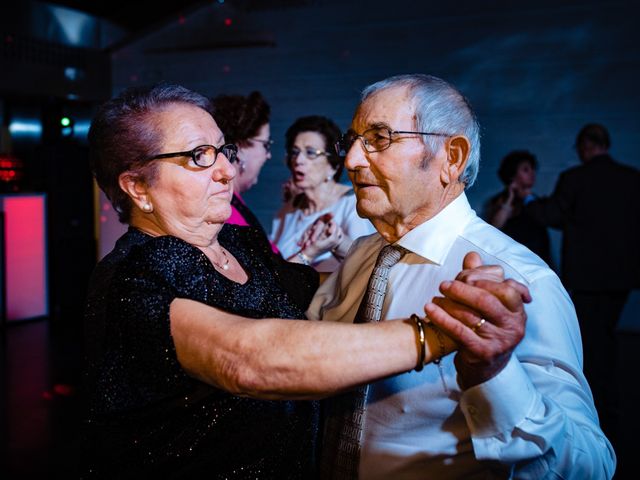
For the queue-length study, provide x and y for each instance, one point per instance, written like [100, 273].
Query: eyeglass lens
[310, 153]
[206, 155]
[374, 140]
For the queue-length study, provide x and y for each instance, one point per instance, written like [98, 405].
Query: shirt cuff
[528, 199]
[501, 403]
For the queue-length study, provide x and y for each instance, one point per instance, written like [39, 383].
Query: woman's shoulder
[162, 247]
[165, 257]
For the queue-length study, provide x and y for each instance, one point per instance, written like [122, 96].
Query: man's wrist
[471, 374]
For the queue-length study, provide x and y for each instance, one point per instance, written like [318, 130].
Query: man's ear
[136, 188]
[457, 149]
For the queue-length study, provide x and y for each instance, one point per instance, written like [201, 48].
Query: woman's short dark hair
[330, 133]
[123, 136]
[240, 117]
[511, 163]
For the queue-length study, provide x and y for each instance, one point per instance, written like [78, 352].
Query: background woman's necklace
[225, 265]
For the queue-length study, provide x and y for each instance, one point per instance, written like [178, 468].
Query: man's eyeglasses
[310, 153]
[374, 139]
[265, 143]
[205, 156]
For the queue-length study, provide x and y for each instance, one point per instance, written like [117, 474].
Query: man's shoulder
[497, 248]
[601, 164]
[366, 242]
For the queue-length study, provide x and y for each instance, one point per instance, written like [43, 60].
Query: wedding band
[478, 325]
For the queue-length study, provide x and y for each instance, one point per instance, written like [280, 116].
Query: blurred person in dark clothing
[597, 207]
[505, 210]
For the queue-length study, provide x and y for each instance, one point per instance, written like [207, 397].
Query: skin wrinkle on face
[392, 189]
[189, 202]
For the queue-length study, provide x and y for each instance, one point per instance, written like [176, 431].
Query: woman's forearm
[292, 359]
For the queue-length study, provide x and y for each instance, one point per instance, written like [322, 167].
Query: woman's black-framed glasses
[265, 143]
[374, 139]
[205, 156]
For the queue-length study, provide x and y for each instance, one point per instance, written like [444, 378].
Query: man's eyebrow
[379, 125]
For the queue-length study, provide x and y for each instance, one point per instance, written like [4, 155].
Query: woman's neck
[202, 235]
[320, 197]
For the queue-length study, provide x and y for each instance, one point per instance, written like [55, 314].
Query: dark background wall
[535, 71]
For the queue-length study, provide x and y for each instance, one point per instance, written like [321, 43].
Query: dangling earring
[147, 207]
[329, 177]
[242, 166]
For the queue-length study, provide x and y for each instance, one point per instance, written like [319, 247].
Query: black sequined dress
[147, 418]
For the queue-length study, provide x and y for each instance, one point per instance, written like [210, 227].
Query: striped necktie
[345, 418]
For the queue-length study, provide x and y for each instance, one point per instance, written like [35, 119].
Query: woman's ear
[133, 185]
[457, 149]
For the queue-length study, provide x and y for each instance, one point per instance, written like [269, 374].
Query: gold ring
[478, 325]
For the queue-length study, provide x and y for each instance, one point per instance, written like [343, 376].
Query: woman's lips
[223, 193]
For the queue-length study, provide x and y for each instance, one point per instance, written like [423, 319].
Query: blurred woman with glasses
[318, 221]
[244, 120]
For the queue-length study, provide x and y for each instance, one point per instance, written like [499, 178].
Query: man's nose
[356, 157]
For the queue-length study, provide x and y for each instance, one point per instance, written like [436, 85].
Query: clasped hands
[322, 236]
[484, 314]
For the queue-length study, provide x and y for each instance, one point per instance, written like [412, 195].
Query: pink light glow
[25, 244]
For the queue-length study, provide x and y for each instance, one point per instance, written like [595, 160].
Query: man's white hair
[439, 108]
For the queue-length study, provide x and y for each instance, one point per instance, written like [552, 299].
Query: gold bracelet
[438, 360]
[420, 329]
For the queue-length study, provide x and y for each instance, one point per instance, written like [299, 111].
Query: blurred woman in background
[319, 213]
[244, 120]
[504, 211]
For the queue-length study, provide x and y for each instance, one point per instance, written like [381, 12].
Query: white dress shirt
[535, 419]
[290, 224]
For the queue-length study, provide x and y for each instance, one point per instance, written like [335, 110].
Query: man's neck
[393, 227]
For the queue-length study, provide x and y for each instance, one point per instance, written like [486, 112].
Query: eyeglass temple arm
[419, 133]
[171, 155]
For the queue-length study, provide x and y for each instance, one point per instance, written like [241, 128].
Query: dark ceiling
[138, 15]
[133, 15]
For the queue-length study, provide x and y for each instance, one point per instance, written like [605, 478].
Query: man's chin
[366, 208]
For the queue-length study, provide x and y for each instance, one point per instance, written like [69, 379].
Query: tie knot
[390, 255]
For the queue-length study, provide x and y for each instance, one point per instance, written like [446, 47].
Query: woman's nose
[223, 169]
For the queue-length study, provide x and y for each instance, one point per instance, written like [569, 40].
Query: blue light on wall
[26, 128]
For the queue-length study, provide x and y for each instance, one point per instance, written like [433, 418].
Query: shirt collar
[433, 238]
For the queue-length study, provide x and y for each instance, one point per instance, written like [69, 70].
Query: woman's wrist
[304, 258]
[342, 247]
